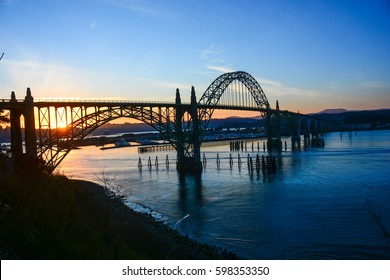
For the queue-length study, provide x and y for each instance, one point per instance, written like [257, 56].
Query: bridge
[52, 128]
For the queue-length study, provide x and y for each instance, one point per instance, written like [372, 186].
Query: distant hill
[333, 111]
[376, 118]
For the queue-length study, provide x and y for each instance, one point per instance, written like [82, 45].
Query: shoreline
[148, 232]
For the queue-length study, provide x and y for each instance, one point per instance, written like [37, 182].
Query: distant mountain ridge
[379, 118]
[342, 110]
[333, 111]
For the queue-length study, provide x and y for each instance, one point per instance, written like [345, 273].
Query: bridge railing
[7, 100]
[98, 101]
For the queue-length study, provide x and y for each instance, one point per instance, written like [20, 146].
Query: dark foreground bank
[53, 217]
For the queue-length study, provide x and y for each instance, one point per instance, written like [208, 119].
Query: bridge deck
[5, 104]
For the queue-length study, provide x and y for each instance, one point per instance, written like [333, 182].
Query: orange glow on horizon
[222, 114]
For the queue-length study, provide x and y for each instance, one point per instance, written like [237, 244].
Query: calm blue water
[314, 207]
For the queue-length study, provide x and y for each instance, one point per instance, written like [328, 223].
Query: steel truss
[56, 141]
[218, 88]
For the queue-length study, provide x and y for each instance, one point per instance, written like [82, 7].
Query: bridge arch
[311, 129]
[217, 88]
[55, 144]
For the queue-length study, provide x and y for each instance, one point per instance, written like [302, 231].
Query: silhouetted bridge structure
[53, 128]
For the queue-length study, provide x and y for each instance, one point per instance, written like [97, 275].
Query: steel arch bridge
[62, 124]
[215, 91]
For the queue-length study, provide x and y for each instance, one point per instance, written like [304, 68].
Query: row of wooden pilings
[150, 164]
[264, 163]
[240, 145]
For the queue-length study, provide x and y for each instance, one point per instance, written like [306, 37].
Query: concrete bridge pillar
[197, 165]
[16, 134]
[273, 130]
[306, 139]
[187, 139]
[29, 123]
[179, 128]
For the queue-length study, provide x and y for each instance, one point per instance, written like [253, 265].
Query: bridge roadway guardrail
[58, 102]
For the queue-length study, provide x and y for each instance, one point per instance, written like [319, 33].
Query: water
[314, 207]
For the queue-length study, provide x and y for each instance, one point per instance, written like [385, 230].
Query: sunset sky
[309, 55]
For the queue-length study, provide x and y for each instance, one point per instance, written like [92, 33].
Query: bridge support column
[296, 142]
[197, 164]
[317, 141]
[179, 130]
[29, 123]
[16, 134]
[273, 130]
[296, 136]
[306, 139]
[188, 142]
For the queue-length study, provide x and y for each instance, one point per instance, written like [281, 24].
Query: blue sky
[309, 55]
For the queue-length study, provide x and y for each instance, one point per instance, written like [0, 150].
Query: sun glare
[61, 124]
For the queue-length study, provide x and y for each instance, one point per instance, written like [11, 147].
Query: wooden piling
[150, 163]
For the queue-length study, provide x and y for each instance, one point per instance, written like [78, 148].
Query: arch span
[214, 92]
[55, 144]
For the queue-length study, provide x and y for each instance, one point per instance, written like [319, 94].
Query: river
[315, 206]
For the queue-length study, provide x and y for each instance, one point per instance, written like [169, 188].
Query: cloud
[208, 52]
[223, 69]
[213, 55]
[276, 88]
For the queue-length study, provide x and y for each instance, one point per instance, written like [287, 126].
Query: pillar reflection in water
[190, 202]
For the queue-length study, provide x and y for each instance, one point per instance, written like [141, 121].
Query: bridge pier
[306, 139]
[16, 133]
[274, 141]
[317, 141]
[296, 142]
[188, 142]
[27, 111]
[29, 124]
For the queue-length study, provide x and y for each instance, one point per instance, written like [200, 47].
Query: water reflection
[190, 202]
[313, 206]
[190, 192]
